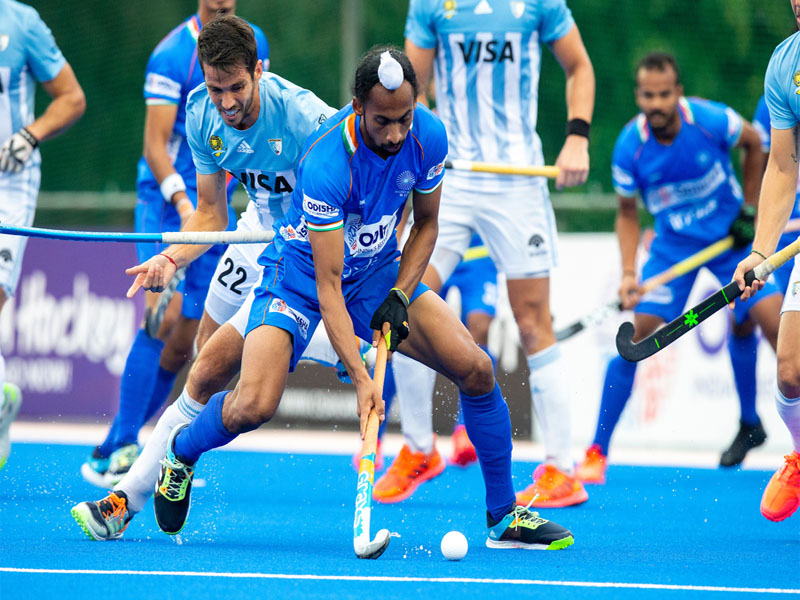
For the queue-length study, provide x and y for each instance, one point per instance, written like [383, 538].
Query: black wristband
[29, 137]
[578, 127]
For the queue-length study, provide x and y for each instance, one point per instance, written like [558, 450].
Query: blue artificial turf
[288, 519]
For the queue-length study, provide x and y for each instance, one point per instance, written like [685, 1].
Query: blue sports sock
[489, 428]
[205, 433]
[161, 389]
[389, 391]
[616, 391]
[136, 387]
[460, 415]
[744, 352]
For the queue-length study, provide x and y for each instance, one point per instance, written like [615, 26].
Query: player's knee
[205, 378]
[479, 374]
[789, 375]
[252, 409]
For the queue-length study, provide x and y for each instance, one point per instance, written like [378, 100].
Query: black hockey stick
[662, 338]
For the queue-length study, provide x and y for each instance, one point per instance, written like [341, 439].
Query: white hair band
[390, 73]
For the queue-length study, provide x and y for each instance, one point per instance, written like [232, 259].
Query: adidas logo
[245, 147]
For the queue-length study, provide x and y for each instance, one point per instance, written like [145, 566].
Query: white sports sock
[789, 411]
[139, 482]
[551, 403]
[415, 383]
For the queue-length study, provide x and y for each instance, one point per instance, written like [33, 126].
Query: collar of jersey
[685, 113]
[352, 140]
[194, 25]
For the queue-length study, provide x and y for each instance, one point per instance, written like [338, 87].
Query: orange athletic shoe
[463, 450]
[407, 472]
[782, 494]
[593, 468]
[552, 488]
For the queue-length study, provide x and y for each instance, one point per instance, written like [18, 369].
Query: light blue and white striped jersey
[263, 157]
[488, 57]
[28, 53]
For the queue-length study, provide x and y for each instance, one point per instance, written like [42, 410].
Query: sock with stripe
[789, 411]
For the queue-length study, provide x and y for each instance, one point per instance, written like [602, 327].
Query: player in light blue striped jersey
[778, 191]
[28, 53]
[485, 56]
[166, 193]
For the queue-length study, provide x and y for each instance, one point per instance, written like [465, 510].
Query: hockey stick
[167, 237]
[366, 474]
[153, 317]
[502, 169]
[662, 338]
[695, 261]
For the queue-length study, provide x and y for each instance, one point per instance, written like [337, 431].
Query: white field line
[317, 577]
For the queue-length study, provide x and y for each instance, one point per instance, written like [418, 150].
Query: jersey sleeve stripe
[325, 227]
[430, 191]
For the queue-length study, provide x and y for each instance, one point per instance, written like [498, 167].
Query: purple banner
[66, 334]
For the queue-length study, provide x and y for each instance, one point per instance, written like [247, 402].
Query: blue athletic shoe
[94, 469]
[523, 528]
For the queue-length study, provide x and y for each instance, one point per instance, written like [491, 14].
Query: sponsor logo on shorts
[5, 254]
[435, 171]
[162, 86]
[279, 306]
[536, 240]
[317, 208]
[367, 240]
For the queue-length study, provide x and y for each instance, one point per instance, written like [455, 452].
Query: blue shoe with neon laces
[525, 529]
[173, 489]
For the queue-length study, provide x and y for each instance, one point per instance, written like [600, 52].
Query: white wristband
[172, 184]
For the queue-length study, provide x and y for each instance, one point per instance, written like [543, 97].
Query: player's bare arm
[752, 162]
[68, 105]
[422, 61]
[421, 240]
[627, 227]
[158, 125]
[775, 204]
[573, 160]
[328, 251]
[211, 215]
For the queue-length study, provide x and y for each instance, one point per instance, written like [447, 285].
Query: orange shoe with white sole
[782, 494]
[406, 473]
[593, 468]
[552, 488]
[463, 450]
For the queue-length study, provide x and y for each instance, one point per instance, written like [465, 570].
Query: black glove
[743, 228]
[393, 310]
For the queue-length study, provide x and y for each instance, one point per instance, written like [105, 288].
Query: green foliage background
[723, 47]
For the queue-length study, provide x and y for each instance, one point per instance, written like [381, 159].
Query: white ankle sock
[415, 383]
[139, 482]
